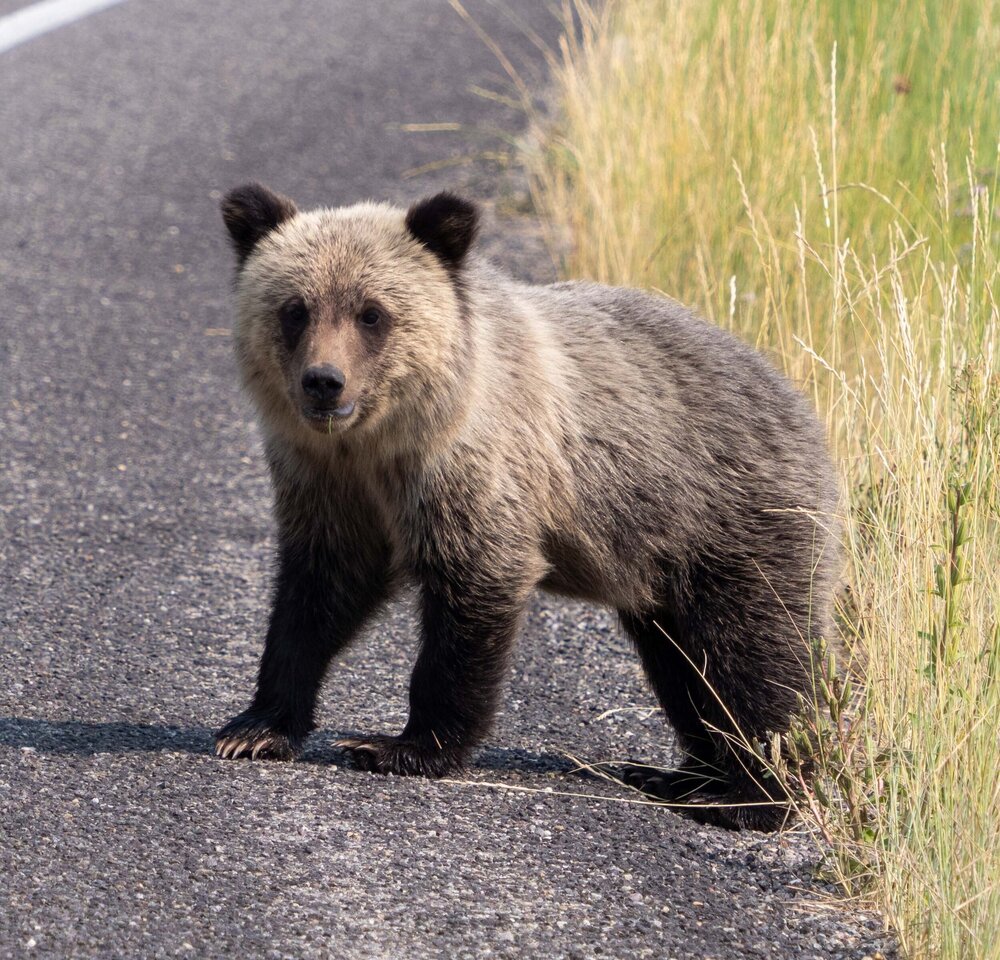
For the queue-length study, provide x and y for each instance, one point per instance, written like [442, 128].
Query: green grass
[822, 178]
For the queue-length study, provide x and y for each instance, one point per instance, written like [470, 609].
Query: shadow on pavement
[85, 739]
[487, 758]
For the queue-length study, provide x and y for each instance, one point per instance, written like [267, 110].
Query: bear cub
[429, 420]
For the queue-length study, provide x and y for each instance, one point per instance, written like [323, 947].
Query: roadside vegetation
[821, 177]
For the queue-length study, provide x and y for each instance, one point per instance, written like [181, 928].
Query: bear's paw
[696, 791]
[255, 735]
[402, 756]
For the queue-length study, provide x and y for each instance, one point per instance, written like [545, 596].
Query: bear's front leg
[323, 595]
[468, 630]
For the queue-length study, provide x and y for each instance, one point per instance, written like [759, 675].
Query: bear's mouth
[326, 417]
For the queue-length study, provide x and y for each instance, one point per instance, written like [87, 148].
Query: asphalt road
[135, 542]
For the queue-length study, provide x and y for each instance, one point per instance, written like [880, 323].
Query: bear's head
[350, 319]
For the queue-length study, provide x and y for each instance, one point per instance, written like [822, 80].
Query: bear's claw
[674, 785]
[252, 735]
[380, 754]
[695, 793]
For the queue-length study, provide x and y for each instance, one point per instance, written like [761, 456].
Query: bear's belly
[578, 569]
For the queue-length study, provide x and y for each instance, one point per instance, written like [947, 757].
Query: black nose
[323, 384]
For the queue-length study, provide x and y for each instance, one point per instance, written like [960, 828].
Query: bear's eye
[294, 317]
[371, 316]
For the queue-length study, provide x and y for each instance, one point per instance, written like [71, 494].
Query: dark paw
[733, 811]
[697, 792]
[254, 734]
[671, 786]
[401, 756]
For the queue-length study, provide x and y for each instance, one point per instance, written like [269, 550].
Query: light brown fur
[596, 442]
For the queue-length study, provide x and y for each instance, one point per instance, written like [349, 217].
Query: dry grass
[822, 178]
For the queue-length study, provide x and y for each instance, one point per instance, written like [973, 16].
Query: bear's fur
[429, 420]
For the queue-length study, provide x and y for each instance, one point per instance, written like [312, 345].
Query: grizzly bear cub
[429, 420]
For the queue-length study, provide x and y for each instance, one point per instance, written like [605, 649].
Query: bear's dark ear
[446, 224]
[251, 212]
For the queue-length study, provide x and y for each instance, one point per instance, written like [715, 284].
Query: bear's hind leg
[710, 690]
[681, 693]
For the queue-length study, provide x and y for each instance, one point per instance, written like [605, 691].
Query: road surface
[135, 542]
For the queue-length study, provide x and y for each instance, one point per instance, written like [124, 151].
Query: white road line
[39, 18]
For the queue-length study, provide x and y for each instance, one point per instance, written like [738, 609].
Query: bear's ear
[251, 212]
[446, 224]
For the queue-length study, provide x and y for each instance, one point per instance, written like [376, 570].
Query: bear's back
[677, 435]
[691, 385]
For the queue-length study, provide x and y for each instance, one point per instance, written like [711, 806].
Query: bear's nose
[323, 384]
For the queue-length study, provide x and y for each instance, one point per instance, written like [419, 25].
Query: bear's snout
[323, 384]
